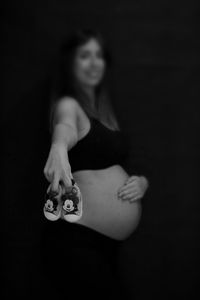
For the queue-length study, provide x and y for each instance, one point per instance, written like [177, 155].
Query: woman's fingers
[136, 198]
[49, 176]
[131, 179]
[128, 186]
[131, 191]
[58, 176]
[55, 182]
[66, 183]
[130, 195]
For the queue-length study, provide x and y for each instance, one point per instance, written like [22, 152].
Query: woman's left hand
[133, 189]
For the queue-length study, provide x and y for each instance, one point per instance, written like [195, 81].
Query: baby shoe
[52, 206]
[72, 204]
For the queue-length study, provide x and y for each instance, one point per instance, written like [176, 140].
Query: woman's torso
[95, 163]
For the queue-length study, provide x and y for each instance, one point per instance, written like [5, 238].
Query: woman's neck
[90, 93]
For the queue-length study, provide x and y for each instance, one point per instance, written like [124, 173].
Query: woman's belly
[103, 211]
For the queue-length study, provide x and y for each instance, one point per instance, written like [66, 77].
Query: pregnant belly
[103, 211]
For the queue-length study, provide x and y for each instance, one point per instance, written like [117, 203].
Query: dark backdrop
[156, 48]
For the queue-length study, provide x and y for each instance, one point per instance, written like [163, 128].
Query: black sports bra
[99, 149]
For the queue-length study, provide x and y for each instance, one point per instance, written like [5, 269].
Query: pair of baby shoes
[67, 205]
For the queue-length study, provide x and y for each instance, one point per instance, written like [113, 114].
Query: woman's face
[89, 64]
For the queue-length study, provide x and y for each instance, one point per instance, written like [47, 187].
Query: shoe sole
[50, 216]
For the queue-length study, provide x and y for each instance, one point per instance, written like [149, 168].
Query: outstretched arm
[65, 135]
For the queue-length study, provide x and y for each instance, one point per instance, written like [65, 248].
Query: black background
[156, 48]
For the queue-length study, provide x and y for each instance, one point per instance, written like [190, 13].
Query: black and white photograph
[101, 150]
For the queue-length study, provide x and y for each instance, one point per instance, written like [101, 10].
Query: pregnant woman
[88, 148]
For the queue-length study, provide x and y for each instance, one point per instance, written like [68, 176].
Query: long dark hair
[64, 81]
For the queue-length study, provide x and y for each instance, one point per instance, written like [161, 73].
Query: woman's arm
[65, 136]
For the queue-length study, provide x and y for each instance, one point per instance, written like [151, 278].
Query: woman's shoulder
[67, 101]
[71, 105]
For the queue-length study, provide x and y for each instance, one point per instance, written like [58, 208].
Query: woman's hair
[64, 82]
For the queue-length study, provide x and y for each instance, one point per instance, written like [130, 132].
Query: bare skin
[103, 210]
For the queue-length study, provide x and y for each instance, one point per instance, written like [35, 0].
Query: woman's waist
[109, 177]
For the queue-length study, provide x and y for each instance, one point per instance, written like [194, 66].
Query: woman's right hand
[57, 169]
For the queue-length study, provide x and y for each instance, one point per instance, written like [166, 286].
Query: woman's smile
[89, 64]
